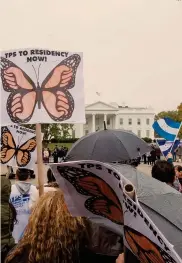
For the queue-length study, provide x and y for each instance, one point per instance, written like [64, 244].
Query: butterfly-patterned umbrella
[108, 146]
[161, 202]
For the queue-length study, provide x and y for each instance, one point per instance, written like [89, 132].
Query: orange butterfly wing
[22, 99]
[102, 201]
[7, 145]
[144, 248]
[23, 156]
[56, 98]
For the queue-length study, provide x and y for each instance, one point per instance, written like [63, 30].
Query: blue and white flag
[167, 146]
[167, 128]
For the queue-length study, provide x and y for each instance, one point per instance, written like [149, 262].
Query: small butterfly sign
[18, 146]
[41, 86]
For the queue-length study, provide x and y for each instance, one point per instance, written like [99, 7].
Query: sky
[132, 48]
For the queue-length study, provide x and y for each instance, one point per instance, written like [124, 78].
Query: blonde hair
[52, 234]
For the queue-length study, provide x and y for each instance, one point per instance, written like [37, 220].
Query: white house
[137, 120]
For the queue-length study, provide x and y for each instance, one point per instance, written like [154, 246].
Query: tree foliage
[56, 131]
[175, 115]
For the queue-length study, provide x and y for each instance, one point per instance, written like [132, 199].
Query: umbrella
[108, 146]
[160, 201]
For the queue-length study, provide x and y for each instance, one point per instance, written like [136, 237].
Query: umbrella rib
[91, 152]
[120, 141]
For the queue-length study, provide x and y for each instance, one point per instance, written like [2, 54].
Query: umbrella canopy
[108, 146]
[161, 202]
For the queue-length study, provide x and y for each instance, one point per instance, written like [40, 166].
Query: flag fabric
[167, 128]
[167, 146]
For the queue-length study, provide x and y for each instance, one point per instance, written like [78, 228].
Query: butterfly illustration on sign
[102, 200]
[9, 149]
[53, 93]
[145, 250]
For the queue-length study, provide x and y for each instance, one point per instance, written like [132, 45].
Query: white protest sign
[97, 190]
[18, 146]
[41, 86]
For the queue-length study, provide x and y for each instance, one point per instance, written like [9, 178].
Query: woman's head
[52, 232]
[178, 170]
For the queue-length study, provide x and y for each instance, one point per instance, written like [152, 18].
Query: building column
[116, 122]
[93, 122]
[105, 119]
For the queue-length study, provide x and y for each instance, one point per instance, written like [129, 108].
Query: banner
[97, 190]
[18, 146]
[41, 86]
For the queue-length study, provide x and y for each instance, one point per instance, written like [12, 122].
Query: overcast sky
[132, 48]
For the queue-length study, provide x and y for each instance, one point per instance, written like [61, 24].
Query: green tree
[54, 130]
[175, 115]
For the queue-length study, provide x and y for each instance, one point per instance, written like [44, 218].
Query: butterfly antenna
[35, 73]
[38, 71]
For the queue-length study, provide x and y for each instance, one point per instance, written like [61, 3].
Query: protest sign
[18, 146]
[41, 86]
[98, 191]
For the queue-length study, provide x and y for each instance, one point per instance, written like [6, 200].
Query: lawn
[51, 146]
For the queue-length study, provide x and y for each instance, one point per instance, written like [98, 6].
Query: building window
[139, 133]
[108, 121]
[130, 121]
[121, 121]
[138, 122]
[86, 132]
[148, 133]
[148, 121]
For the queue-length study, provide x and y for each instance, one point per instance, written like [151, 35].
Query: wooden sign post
[40, 166]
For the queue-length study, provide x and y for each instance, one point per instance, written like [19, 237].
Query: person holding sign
[23, 197]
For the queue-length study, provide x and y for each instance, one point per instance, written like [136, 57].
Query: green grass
[51, 146]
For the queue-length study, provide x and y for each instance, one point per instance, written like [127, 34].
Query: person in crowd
[55, 154]
[8, 218]
[23, 197]
[174, 155]
[158, 153]
[164, 172]
[120, 258]
[179, 154]
[10, 173]
[148, 158]
[52, 234]
[51, 182]
[178, 170]
[169, 158]
[144, 158]
[153, 156]
[46, 155]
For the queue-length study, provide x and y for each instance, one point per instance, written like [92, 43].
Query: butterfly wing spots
[7, 138]
[20, 106]
[6, 154]
[23, 158]
[29, 145]
[63, 75]
[142, 247]
[60, 77]
[14, 78]
[102, 207]
[59, 105]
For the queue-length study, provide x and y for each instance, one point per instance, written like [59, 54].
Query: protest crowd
[95, 205]
[45, 231]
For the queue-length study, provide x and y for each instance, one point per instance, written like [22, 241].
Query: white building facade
[136, 120]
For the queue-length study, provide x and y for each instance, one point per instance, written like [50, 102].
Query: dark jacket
[7, 241]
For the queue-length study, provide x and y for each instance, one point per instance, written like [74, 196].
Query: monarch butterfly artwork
[9, 149]
[144, 249]
[102, 200]
[52, 95]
